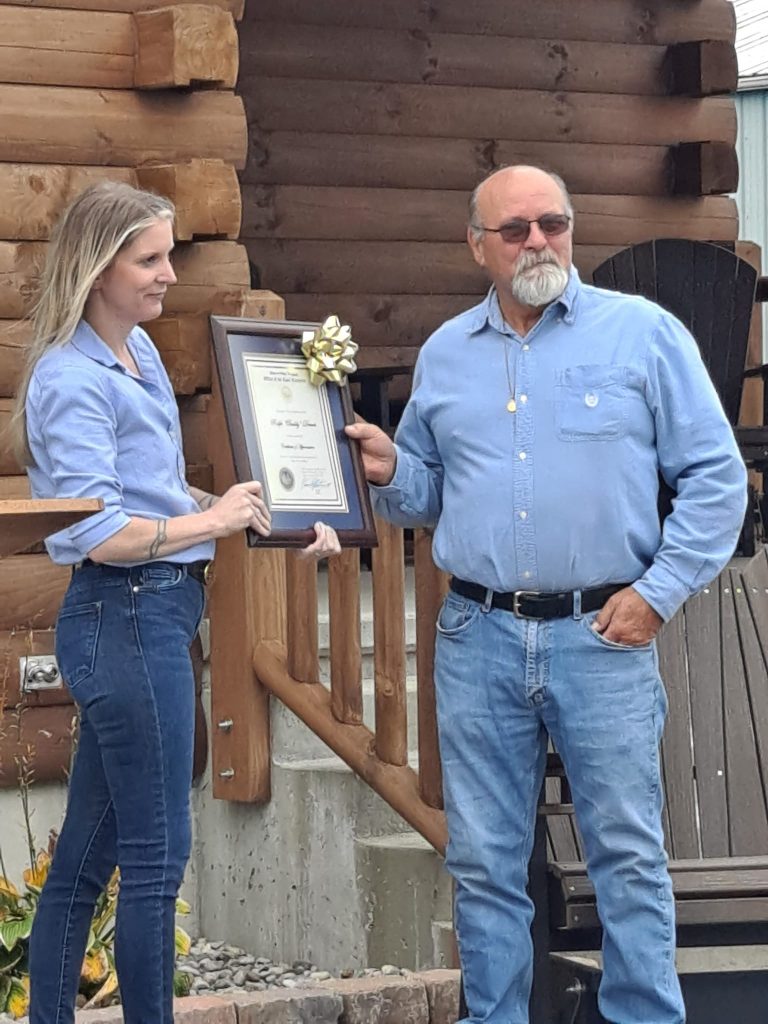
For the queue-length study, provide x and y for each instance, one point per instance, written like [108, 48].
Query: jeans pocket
[77, 641]
[456, 615]
[611, 644]
[153, 579]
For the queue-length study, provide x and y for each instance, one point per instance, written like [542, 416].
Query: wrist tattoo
[206, 502]
[160, 538]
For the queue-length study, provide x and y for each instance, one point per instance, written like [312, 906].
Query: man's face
[534, 271]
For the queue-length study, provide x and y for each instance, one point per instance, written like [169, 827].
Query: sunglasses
[519, 229]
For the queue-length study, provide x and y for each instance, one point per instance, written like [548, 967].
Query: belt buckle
[517, 597]
[208, 573]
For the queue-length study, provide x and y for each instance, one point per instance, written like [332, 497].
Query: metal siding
[752, 196]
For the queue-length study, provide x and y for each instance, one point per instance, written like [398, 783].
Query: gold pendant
[511, 405]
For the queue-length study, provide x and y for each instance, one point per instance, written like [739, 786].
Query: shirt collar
[488, 313]
[87, 341]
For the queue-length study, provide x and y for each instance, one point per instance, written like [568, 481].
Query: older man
[533, 439]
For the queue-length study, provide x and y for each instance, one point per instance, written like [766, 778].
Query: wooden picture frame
[289, 435]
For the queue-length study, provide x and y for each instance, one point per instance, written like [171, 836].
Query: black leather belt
[201, 571]
[529, 604]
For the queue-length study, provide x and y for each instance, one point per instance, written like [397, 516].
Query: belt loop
[577, 604]
[488, 602]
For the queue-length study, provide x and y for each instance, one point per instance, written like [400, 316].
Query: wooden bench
[714, 661]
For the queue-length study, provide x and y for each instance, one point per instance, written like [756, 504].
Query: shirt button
[523, 456]
[526, 347]
[591, 399]
[523, 399]
[527, 574]
[523, 515]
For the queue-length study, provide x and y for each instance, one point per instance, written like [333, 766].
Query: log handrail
[335, 714]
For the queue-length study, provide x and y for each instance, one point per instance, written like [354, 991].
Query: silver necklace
[511, 404]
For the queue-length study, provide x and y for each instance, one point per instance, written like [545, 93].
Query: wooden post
[704, 168]
[344, 626]
[389, 645]
[246, 603]
[431, 586]
[704, 68]
[301, 618]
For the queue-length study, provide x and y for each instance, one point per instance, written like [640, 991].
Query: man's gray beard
[540, 284]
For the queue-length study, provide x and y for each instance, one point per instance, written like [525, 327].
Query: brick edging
[424, 997]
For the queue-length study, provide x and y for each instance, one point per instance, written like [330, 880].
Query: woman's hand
[325, 545]
[239, 508]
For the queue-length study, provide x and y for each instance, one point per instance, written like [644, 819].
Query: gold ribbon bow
[329, 352]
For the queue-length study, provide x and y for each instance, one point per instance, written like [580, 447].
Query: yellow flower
[95, 967]
[8, 887]
[183, 942]
[35, 878]
[18, 999]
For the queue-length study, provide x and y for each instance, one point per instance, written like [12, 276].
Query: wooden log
[431, 586]
[453, 112]
[185, 45]
[620, 21]
[119, 128]
[391, 161]
[247, 608]
[200, 475]
[67, 47]
[704, 168]
[284, 50]
[32, 587]
[389, 645]
[33, 196]
[207, 272]
[206, 194]
[702, 68]
[344, 626]
[37, 741]
[412, 268]
[16, 644]
[235, 7]
[300, 211]
[184, 341]
[195, 426]
[301, 619]
[14, 338]
[14, 487]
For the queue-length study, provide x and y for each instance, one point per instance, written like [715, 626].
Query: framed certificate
[288, 433]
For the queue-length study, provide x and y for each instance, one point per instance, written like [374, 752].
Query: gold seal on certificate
[286, 423]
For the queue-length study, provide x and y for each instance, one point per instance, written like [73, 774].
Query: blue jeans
[503, 684]
[122, 641]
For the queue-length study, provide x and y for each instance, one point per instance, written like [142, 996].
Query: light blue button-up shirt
[562, 494]
[97, 431]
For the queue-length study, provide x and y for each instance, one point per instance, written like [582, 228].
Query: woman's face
[133, 287]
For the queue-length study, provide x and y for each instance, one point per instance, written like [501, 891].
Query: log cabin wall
[140, 91]
[369, 124]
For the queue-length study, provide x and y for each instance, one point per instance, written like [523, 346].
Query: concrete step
[443, 943]
[405, 887]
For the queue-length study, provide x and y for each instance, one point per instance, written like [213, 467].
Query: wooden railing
[379, 755]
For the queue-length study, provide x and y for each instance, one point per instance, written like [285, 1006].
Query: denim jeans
[503, 684]
[122, 642]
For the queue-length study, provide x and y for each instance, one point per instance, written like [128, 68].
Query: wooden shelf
[26, 521]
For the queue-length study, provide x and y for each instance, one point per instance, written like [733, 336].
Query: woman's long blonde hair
[93, 229]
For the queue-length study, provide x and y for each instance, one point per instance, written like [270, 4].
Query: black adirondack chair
[713, 292]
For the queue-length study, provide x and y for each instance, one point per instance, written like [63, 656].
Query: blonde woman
[96, 417]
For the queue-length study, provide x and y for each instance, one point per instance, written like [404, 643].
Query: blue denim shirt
[97, 431]
[562, 494]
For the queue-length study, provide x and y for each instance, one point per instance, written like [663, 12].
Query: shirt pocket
[591, 403]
